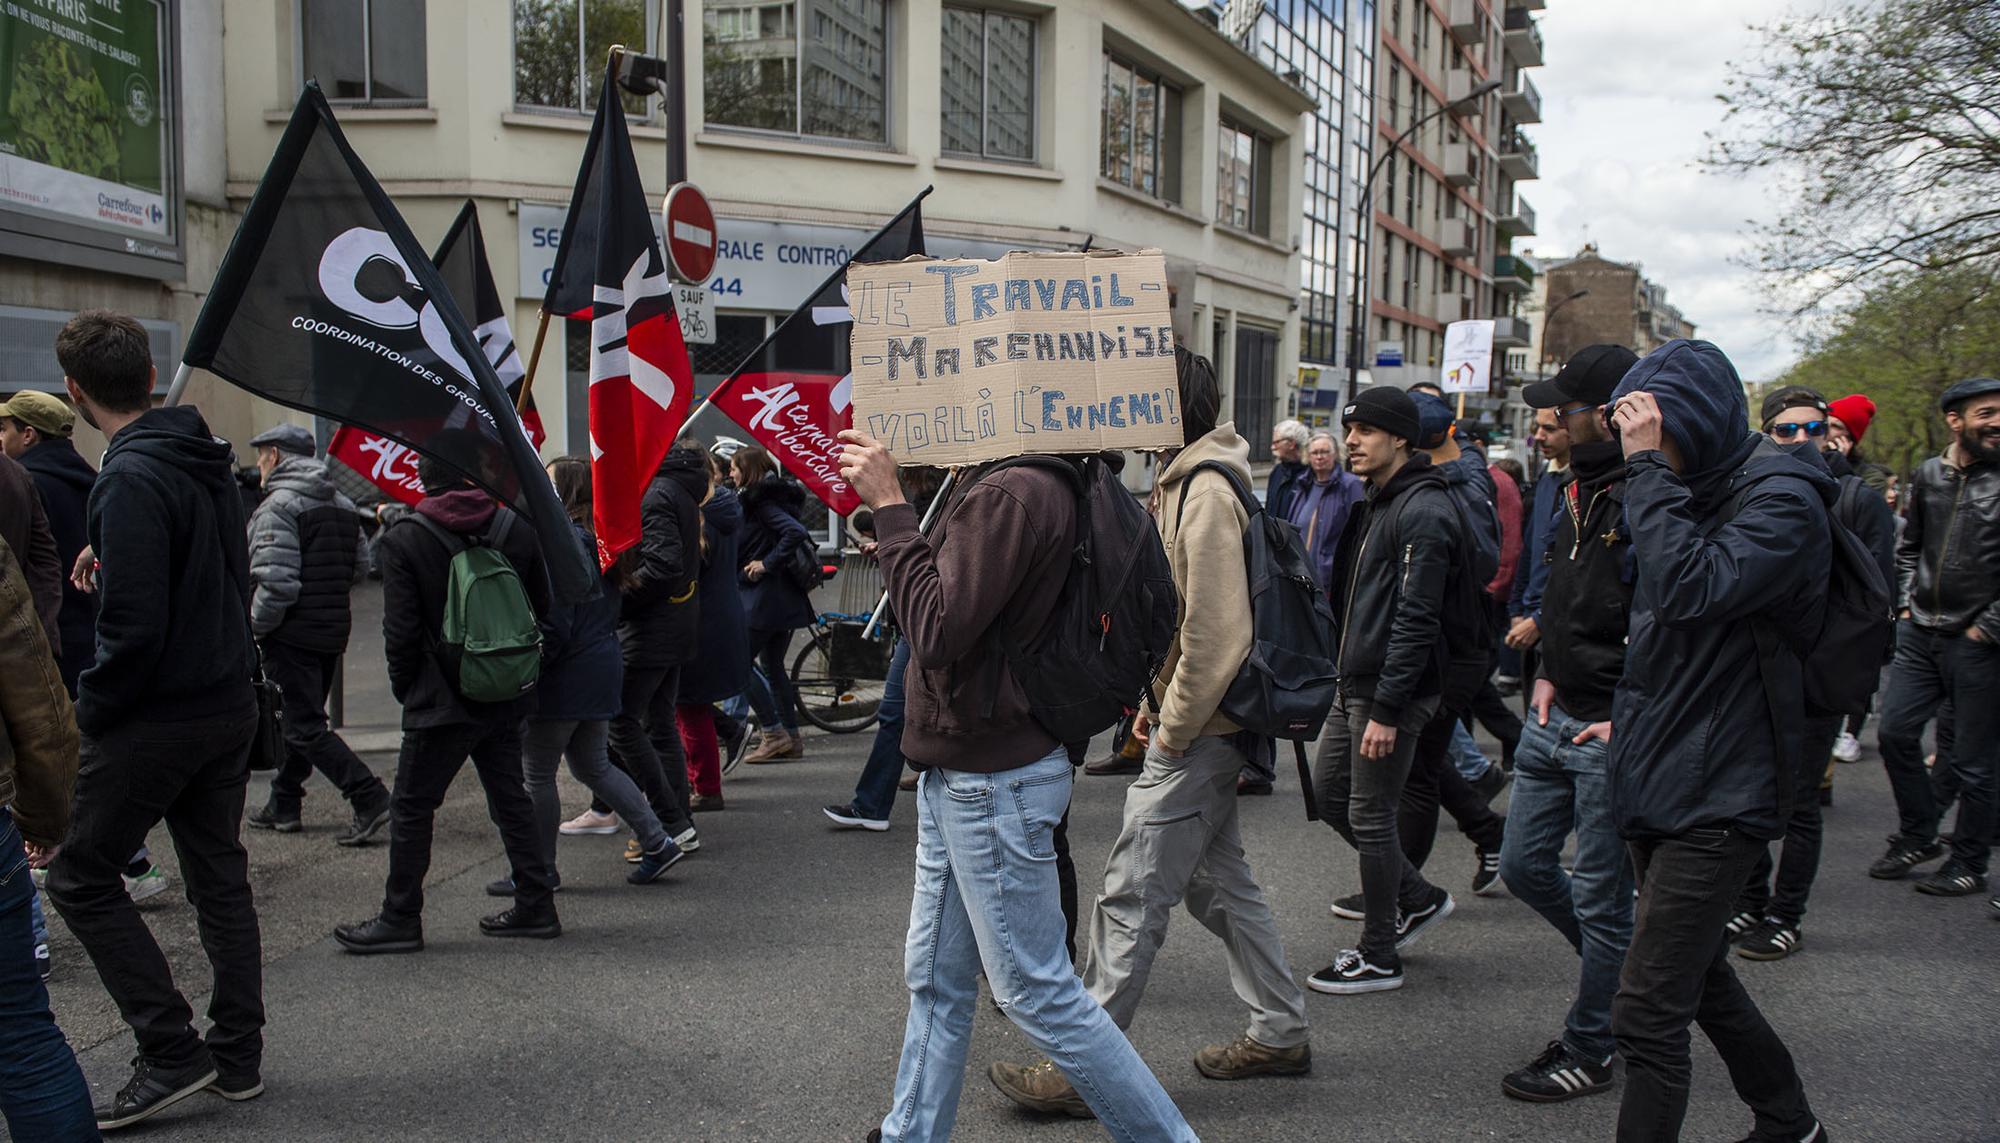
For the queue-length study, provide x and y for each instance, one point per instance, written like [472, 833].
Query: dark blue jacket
[582, 667]
[771, 533]
[1531, 579]
[1337, 500]
[1288, 479]
[723, 667]
[1472, 486]
[1730, 554]
[64, 479]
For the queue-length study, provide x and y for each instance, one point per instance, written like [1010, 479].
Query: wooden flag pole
[1461, 405]
[534, 358]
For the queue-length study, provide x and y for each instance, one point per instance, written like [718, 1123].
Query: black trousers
[646, 744]
[306, 677]
[430, 759]
[1798, 863]
[1435, 783]
[191, 775]
[1677, 972]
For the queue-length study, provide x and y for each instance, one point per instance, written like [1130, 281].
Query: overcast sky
[1627, 92]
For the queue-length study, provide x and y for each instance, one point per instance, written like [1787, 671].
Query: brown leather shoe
[797, 749]
[1244, 1057]
[1115, 764]
[908, 781]
[1040, 1086]
[700, 803]
[771, 747]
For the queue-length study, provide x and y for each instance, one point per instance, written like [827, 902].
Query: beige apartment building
[1125, 123]
[1447, 206]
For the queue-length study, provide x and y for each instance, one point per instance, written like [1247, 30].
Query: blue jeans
[1562, 788]
[986, 895]
[875, 793]
[42, 1093]
[770, 689]
[1466, 755]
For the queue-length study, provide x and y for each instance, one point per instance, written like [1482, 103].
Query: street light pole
[1548, 317]
[1356, 319]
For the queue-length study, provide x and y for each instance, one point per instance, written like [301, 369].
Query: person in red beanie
[1848, 424]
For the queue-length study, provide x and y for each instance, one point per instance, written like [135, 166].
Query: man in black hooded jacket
[1726, 528]
[167, 715]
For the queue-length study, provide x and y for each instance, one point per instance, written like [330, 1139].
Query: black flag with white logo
[326, 303]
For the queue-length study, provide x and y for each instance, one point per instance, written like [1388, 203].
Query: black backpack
[1116, 615]
[1287, 684]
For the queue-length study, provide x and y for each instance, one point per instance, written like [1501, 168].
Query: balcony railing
[1523, 101]
[1517, 156]
[1468, 23]
[1460, 239]
[1461, 164]
[1517, 221]
[1512, 274]
[1523, 38]
[1511, 333]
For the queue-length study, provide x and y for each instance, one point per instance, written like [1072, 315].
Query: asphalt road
[756, 993]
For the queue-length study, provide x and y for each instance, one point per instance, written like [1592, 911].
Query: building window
[1242, 178]
[804, 67]
[1256, 387]
[1142, 130]
[988, 68]
[1395, 86]
[561, 48]
[365, 51]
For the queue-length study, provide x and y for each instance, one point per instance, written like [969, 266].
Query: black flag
[326, 303]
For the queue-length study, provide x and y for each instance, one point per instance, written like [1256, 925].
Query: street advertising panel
[961, 361]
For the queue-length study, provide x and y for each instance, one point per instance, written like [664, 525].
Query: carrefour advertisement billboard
[86, 122]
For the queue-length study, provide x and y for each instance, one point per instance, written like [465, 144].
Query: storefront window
[561, 48]
[365, 51]
[988, 89]
[804, 67]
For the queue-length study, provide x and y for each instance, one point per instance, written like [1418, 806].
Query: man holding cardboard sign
[994, 782]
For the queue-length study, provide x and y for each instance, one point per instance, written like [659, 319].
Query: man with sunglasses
[1561, 783]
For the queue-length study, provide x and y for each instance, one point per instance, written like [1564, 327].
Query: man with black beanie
[1399, 555]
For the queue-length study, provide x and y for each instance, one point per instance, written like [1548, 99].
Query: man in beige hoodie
[1180, 841]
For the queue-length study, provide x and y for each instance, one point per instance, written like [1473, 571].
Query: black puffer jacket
[1949, 557]
[1734, 546]
[1395, 562]
[64, 479]
[305, 554]
[173, 627]
[659, 625]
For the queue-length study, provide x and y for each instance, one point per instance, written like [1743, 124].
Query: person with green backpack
[463, 590]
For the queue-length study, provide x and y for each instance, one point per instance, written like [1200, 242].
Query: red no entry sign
[689, 225]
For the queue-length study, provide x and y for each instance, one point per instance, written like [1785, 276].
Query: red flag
[609, 271]
[792, 393]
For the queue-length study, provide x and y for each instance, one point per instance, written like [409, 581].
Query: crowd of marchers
[1694, 606]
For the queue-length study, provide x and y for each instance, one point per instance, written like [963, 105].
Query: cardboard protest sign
[1468, 357]
[960, 361]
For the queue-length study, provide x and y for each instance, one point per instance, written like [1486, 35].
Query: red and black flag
[325, 303]
[610, 272]
[468, 277]
[793, 393]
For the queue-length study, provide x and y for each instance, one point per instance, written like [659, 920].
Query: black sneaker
[1772, 940]
[518, 922]
[151, 1090]
[368, 821]
[376, 935]
[1903, 857]
[1351, 973]
[1490, 782]
[43, 967]
[1353, 907]
[1411, 925]
[239, 1087]
[847, 817]
[1486, 876]
[270, 817]
[1744, 921]
[1556, 1075]
[1953, 879]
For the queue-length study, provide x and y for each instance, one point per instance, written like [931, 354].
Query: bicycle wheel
[831, 701]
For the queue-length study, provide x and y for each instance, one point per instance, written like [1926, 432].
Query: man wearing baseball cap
[35, 430]
[1400, 554]
[1948, 646]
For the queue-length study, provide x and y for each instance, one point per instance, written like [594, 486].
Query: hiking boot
[519, 922]
[705, 803]
[775, 746]
[1953, 879]
[270, 817]
[1354, 907]
[797, 749]
[368, 821]
[1903, 857]
[1772, 940]
[1411, 925]
[1351, 974]
[376, 935]
[1486, 877]
[1556, 1075]
[653, 864]
[1115, 763]
[589, 822]
[151, 1090]
[238, 1087]
[1040, 1086]
[1243, 1058]
[847, 817]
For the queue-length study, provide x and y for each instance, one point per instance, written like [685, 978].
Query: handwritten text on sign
[962, 361]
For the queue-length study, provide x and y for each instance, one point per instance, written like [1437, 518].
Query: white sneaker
[589, 822]
[1846, 748]
[151, 883]
[687, 840]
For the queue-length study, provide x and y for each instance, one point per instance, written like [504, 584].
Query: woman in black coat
[774, 603]
[723, 669]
